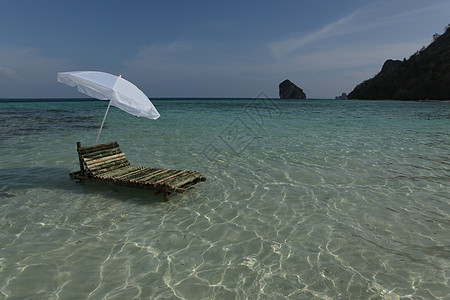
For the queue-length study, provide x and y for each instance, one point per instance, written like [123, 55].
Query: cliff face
[425, 75]
[390, 64]
[288, 90]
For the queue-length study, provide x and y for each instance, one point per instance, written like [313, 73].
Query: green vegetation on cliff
[425, 75]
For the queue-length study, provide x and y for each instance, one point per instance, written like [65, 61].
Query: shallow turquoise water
[304, 199]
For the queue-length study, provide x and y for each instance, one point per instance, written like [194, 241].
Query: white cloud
[362, 22]
[10, 73]
[339, 27]
[24, 72]
[354, 56]
[153, 54]
[183, 68]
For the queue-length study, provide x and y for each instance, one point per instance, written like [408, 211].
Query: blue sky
[210, 48]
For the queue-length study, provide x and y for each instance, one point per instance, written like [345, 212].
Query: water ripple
[332, 200]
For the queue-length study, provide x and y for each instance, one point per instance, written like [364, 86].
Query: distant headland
[424, 76]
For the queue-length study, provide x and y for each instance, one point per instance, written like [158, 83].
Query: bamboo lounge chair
[106, 163]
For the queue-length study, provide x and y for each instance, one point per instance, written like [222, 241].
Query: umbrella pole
[103, 122]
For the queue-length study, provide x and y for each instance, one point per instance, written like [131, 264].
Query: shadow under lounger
[106, 163]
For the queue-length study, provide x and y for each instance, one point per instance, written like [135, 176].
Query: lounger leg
[80, 159]
[166, 196]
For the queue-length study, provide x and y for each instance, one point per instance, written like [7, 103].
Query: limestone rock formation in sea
[343, 96]
[425, 75]
[288, 90]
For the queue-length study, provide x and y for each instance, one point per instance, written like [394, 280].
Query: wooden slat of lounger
[106, 164]
[183, 181]
[93, 162]
[117, 171]
[99, 147]
[171, 176]
[96, 164]
[152, 173]
[188, 185]
[150, 178]
[131, 174]
[109, 166]
[146, 172]
[159, 180]
[105, 170]
[100, 153]
[102, 158]
[93, 149]
[120, 171]
[182, 175]
[158, 177]
[179, 177]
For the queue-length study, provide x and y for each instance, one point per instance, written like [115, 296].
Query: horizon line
[66, 99]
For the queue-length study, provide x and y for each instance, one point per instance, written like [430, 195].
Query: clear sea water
[308, 199]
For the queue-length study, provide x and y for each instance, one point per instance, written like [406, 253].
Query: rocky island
[424, 76]
[288, 90]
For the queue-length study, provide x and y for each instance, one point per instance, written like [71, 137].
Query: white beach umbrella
[120, 92]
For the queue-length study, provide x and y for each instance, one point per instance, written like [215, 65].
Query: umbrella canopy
[104, 86]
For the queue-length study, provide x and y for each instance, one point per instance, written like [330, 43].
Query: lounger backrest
[102, 158]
